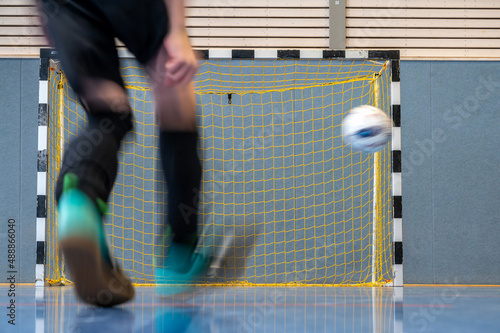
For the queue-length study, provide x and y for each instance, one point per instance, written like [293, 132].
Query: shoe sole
[96, 282]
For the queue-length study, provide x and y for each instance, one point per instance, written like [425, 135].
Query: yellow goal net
[284, 200]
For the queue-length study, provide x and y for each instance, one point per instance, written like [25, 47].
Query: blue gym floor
[259, 309]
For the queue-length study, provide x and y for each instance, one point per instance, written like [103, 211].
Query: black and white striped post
[41, 210]
[397, 194]
[396, 172]
[392, 55]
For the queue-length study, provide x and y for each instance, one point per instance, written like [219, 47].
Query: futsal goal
[284, 200]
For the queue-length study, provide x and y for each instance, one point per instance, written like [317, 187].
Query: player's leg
[88, 56]
[176, 116]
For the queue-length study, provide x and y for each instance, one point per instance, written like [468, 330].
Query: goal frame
[274, 54]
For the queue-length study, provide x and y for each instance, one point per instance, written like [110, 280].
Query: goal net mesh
[283, 198]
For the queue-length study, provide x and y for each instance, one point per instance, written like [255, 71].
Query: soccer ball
[367, 128]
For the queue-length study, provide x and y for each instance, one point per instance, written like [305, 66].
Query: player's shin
[92, 155]
[182, 169]
[85, 181]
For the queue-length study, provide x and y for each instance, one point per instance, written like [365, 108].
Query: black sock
[92, 155]
[182, 169]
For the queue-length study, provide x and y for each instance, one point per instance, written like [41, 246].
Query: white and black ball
[367, 128]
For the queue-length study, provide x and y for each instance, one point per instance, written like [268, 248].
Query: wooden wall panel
[426, 29]
[211, 24]
[420, 29]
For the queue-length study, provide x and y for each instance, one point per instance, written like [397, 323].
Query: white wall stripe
[356, 54]
[395, 93]
[220, 53]
[396, 183]
[43, 92]
[41, 183]
[124, 53]
[398, 295]
[39, 293]
[39, 274]
[265, 54]
[398, 275]
[396, 138]
[39, 325]
[42, 137]
[40, 229]
[311, 54]
[398, 230]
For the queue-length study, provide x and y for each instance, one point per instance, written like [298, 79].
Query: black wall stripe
[203, 54]
[44, 69]
[397, 207]
[396, 115]
[398, 312]
[243, 54]
[42, 114]
[46, 53]
[398, 253]
[396, 161]
[40, 252]
[384, 54]
[395, 70]
[331, 54]
[288, 54]
[42, 161]
[41, 210]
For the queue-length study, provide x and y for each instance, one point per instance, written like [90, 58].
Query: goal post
[300, 206]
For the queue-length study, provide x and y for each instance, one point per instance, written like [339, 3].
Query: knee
[108, 108]
[175, 116]
[102, 95]
[176, 122]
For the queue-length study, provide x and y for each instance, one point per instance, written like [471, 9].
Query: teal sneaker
[181, 268]
[98, 279]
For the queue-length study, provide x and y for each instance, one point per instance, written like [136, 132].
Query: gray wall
[18, 163]
[451, 154]
[451, 181]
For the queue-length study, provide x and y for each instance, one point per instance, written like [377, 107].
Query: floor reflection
[225, 309]
[213, 310]
[92, 320]
[260, 310]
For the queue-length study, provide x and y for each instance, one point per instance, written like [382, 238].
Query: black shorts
[83, 33]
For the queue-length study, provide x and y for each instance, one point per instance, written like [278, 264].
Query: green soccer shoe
[181, 270]
[98, 279]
